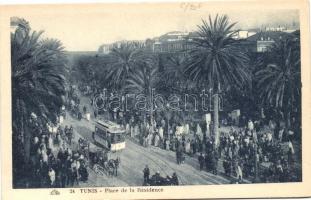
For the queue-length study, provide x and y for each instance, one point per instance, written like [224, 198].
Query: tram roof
[110, 126]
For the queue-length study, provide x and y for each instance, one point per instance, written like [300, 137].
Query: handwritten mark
[186, 6]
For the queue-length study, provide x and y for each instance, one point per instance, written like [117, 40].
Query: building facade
[106, 48]
[263, 40]
[243, 34]
[254, 40]
[170, 42]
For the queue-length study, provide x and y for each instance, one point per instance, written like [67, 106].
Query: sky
[86, 29]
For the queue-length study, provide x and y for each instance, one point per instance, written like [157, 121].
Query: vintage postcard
[170, 100]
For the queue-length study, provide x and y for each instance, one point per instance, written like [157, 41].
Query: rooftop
[112, 127]
[269, 35]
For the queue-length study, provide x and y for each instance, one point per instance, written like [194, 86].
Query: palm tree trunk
[216, 118]
[168, 127]
[145, 124]
[151, 109]
[25, 137]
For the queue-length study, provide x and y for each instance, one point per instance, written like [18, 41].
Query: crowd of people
[247, 150]
[54, 163]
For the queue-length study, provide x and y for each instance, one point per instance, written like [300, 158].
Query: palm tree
[123, 60]
[174, 76]
[143, 81]
[38, 82]
[278, 79]
[216, 61]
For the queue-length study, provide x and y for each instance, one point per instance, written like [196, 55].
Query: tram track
[155, 156]
[214, 179]
[211, 179]
[149, 157]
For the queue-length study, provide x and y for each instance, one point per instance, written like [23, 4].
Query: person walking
[214, 162]
[250, 125]
[84, 109]
[95, 114]
[52, 177]
[75, 174]
[201, 161]
[239, 172]
[179, 153]
[83, 173]
[207, 160]
[70, 135]
[146, 172]
[175, 179]
[178, 156]
[167, 144]
[64, 176]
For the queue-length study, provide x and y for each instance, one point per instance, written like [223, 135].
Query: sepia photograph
[153, 95]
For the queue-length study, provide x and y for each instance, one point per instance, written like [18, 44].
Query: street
[155, 95]
[135, 157]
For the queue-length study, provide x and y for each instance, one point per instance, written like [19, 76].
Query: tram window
[111, 138]
[118, 137]
[101, 133]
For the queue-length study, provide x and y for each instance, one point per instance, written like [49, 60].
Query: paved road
[135, 157]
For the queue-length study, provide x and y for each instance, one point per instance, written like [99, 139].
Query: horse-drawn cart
[110, 136]
[102, 164]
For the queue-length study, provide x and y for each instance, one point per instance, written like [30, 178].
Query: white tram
[110, 135]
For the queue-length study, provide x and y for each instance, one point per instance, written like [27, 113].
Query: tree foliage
[278, 79]
[37, 72]
[124, 59]
[38, 81]
[217, 59]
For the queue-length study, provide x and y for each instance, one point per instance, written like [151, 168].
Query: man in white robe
[156, 140]
[128, 129]
[161, 131]
[51, 174]
[186, 129]
[250, 125]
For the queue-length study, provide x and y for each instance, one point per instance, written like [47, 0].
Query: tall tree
[173, 76]
[143, 81]
[123, 60]
[278, 80]
[38, 82]
[217, 61]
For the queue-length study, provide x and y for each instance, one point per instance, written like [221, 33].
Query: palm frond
[217, 58]
[278, 79]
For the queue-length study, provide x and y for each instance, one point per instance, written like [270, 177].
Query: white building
[243, 34]
[280, 28]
